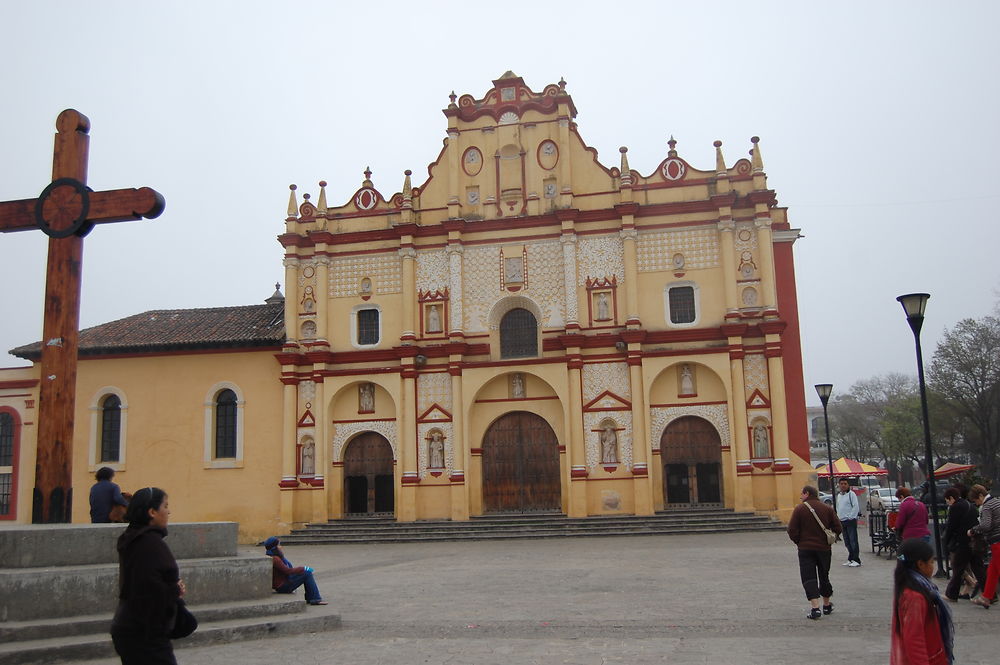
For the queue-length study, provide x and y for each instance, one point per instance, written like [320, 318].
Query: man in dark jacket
[962, 516]
[806, 529]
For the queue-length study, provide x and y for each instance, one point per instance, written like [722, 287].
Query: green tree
[965, 372]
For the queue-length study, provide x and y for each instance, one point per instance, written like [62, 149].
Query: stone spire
[758, 160]
[720, 161]
[626, 171]
[293, 205]
[407, 190]
[321, 204]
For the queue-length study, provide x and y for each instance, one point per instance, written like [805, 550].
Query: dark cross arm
[116, 205]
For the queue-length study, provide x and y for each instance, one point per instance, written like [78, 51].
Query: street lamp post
[914, 304]
[824, 390]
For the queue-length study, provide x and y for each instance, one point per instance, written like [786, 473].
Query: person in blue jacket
[104, 495]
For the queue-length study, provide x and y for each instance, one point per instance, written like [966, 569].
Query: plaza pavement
[726, 598]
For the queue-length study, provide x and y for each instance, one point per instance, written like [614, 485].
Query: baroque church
[526, 330]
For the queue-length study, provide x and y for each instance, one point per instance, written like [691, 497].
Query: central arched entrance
[691, 451]
[521, 465]
[368, 477]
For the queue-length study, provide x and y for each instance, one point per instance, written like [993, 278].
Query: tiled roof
[180, 329]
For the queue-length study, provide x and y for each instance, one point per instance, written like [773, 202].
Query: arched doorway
[691, 451]
[368, 476]
[521, 465]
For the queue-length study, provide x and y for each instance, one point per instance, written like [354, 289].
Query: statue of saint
[366, 398]
[761, 442]
[609, 444]
[602, 307]
[436, 450]
[687, 380]
[308, 458]
[433, 319]
[517, 386]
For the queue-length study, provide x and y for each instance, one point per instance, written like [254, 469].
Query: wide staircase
[59, 584]
[544, 525]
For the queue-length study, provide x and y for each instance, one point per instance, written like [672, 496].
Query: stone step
[41, 545]
[495, 534]
[569, 523]
[92, 624]
[98, 645]
[83, 590]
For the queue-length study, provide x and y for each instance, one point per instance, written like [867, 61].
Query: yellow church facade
[525, 330]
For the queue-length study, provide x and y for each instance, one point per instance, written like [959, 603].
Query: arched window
[6, 439]
[225, 424]
[111, 428]
[518, 334]
[7, 435]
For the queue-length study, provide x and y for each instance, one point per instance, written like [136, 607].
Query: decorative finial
[306, 196]
[277, 285]
[672, 143]
[720, 161]
[562, 83]
[407, 189]
[321, 206]
[293, 205]
[758, 161]
[452, 96]
[626, 171]
[368, 177]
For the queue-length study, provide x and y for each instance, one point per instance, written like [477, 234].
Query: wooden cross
[66, 211]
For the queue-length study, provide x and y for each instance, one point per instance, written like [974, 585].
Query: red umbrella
[952, 469]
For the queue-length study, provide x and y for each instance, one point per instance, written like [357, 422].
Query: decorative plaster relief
[433, 270]
[598, 377]
[547, 286]
[344, 431]
[755, 374]
[307, 393]
[601, 256]
[347, 272]
[433, 389]
[423, 432]
[713, 413]
[700, 248]
[480, 266]
[623, 421]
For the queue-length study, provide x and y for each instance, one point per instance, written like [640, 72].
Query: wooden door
[691, 452]
[368, 476]
[521, 465]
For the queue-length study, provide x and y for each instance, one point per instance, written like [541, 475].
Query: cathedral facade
[525, 330]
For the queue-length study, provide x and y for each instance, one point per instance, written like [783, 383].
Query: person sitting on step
[286, 578]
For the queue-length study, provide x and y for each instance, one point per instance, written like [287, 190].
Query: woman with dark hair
[149, 584]
[922, 630]
[104, 495]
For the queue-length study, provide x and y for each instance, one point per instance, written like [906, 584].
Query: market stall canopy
[850, 467]
[952, 469]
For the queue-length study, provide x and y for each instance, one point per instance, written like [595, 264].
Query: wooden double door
[691, 451]
[369, 488]
[521, 465]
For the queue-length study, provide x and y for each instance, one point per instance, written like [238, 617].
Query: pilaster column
[288, 480]
[460, 451]
[291, 298]
[630, 238]
[764, 242]
[565, 163]
[744, 482]
[324, 453]
[455, 252]
[322, 298]
[568, 241]
[454, 164]
[577, 441]
[727, 242]
[641, 481]
[408, 255]
[406, 510]
[779, 427]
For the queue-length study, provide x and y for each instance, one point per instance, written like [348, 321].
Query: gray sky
[878, 123]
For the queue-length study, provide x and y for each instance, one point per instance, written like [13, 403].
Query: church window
[366, 326]
[518, 334]
[682, 304]
[6, 439]
[111, 425]
[225, 424]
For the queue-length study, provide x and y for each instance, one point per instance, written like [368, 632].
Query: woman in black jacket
[149, 584]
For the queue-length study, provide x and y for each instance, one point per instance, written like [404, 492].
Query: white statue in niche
[687, 380]
[366, 398]
[433, 319]
[749, 296]
[366, 286]
[602, 307]
[435, 447]
[609, 444]
[761, 441]
[308, 458]
[517, 386]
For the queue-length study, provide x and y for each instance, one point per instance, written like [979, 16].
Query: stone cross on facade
[66, 211]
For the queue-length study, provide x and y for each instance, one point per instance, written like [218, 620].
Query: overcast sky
[879, 126]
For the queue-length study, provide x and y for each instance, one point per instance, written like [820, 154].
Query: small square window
[682, 306]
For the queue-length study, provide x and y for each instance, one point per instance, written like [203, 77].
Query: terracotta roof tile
[180, 329]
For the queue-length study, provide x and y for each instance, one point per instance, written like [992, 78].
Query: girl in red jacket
[922, 631]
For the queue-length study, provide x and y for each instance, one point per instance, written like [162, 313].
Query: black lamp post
[914, 304]
[824, 390]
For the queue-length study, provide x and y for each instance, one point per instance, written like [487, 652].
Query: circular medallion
[366, 199]
[61, 209]
[746, 270]
[472, 161]
[744, 235]
[548, 155]
[678, 261]
[308, 272]
[673, 169]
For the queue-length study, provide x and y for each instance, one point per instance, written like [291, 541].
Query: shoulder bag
[831, 537]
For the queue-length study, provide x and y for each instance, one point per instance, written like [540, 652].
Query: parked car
[826, 498]
[883, 498]
[923, 491]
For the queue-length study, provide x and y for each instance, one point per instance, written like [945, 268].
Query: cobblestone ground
[723, 598]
